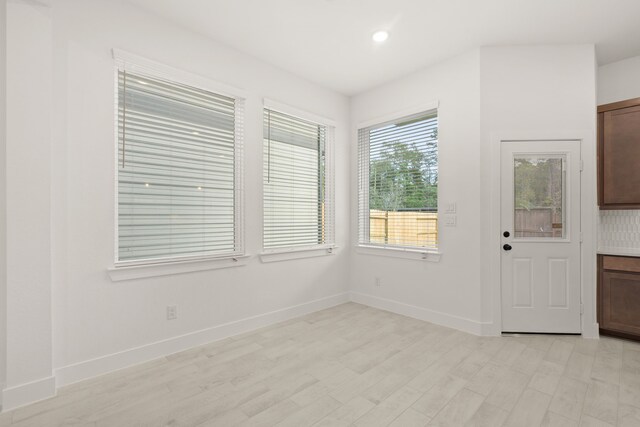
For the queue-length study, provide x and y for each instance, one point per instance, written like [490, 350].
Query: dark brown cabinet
[619, 296]
[619, 155]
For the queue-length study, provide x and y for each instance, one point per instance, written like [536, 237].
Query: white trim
[420, 313]
[588, 223]
[102, 365]
[138, 64]
[165, 268]
[116, 160]
[150, 262]
[330, 187]
[297, 253]
[634, 252]
[421, 108]
[238, 176]
[592, 332]
[397, 252]
[296, 112]
[25, 394]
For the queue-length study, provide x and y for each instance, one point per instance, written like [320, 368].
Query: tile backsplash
[619, 230]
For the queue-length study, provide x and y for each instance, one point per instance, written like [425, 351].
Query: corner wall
[67, 319]
[3, 187]
[521, 89]
[544, 92]
[448, 291]
[29, 373]
[96, 317]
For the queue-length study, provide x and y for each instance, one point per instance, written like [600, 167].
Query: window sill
[430, 255]
[297, 253]
[120, 273]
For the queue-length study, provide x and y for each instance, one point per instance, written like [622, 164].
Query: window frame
[304, 251]
[148, 267]
[433, 253]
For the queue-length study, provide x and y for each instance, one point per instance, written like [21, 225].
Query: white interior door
[540, 217]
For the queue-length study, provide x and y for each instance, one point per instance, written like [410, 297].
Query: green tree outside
[538, 183]
[405, 176]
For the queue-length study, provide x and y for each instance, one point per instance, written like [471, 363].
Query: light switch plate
[450, 220]
[451, 208]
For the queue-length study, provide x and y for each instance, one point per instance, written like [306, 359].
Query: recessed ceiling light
[380, 36]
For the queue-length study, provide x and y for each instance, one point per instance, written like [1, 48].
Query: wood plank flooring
[356, 365]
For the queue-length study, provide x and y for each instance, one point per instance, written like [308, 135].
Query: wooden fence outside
[538, 222]
[403, 228]
[421, 228]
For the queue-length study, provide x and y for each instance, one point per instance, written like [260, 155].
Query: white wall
[99, 324]
[447, 291]
[3, 216]
[619, 81]
[519, 89]
[28, 203]
[65, 315]
[546, 92]
[101, 317]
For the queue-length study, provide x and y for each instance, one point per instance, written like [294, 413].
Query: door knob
[506, 247]
[506, 234]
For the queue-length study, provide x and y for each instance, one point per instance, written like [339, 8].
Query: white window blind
[178, 161]
[298, 183]
[398, 182]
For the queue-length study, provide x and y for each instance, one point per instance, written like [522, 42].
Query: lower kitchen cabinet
[619, 296]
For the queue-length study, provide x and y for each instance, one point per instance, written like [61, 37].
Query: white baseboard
[592, 332]
[490, 329]
[24, 394]
[102, 365]
[439, 318]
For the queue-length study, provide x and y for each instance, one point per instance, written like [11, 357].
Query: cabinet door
[620, 299]
[621, 157]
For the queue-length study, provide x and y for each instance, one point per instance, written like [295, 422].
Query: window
[178, 180]
[297, 179]
[398, 182]
[539, 196]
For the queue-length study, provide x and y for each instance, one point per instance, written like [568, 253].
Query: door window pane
[539, 196]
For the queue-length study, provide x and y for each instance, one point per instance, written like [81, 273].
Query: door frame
[588, 224]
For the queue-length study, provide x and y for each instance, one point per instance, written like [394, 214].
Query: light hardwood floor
[355, 365]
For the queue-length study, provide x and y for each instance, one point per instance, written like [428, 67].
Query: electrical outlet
[172, 312]
[378, 282]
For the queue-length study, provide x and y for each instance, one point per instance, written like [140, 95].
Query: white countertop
[619, 251]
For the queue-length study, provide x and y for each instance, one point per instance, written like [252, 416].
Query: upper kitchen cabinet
[619, 155]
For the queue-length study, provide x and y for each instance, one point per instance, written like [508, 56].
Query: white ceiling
[329, 41]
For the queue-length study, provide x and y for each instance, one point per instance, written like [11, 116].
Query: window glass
[176, 170]
[398, 174]
[539, 196]
[295, 182]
